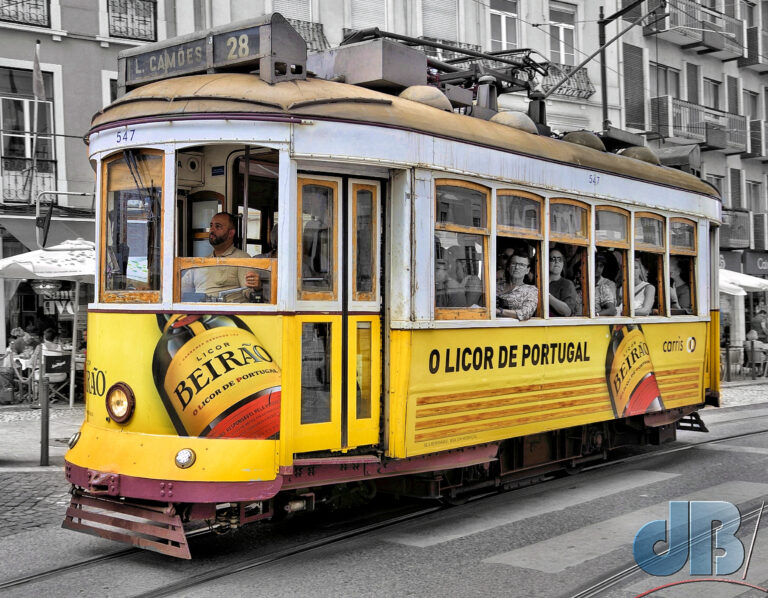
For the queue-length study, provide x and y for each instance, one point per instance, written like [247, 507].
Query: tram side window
[518, 246]
[648, 278]
[569, 234]
[461, 249]
[132, 228]
[682, 267]
[612, 240]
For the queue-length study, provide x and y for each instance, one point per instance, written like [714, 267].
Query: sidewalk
[20, 436]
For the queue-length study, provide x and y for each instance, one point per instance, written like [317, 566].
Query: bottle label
[633, 385]
[222, 383]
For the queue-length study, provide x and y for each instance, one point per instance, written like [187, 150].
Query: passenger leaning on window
[515, 299]
[645, 293]
[215, 281]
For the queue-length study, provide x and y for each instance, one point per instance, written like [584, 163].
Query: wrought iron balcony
[20, 185]
[713, 129]
[692, 26]
[757, 50]
[578, 86]
[735, 230]
[133, 19]
[26, 12]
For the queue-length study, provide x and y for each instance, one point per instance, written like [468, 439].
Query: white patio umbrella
[71, 260]
[745, 281]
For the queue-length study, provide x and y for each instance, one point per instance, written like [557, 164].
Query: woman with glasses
[515, 299]
[563, 299]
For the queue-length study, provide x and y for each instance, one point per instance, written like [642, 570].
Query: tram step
[692, 422]
[144, 526]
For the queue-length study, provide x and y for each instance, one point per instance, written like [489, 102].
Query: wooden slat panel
[535, 402]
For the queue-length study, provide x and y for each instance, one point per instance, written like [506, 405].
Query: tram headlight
[185, 458]
[73, 439]
[120, 402]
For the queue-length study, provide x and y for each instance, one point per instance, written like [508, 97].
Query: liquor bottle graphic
[629, 373]
[215, 378]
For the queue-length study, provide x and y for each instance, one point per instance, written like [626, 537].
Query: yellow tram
[365, 327]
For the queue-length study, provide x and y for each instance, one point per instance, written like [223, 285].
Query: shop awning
[749, 283]
[62, 229]
[731, 289]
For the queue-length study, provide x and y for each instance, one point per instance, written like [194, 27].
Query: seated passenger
[563, 300]
[680, 290]
[215, 281]
[448, 290]
[645, 293]
[515, 299]
[605, 290]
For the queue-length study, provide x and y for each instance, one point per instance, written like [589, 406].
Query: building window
[294, 9]
[712, 93]
[133, 19]
[755, 196]
[503, 15]
[751, 104]
[28, 12]
[562, 30]
[17, 123]
[367, 13]
[440, 19]
[716, 181]
[665, 81]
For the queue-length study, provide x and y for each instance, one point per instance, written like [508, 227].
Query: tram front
[234, 326]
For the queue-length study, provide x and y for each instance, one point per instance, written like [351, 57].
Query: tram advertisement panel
[215, 376]
[528, 380]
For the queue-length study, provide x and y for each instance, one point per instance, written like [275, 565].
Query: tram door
[338, 368]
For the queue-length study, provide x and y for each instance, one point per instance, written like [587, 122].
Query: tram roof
[236, 93]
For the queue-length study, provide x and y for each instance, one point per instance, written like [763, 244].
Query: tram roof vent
[268, 45]
[640, 152]
[380, 64]
[585, 138]
[516, 120]
[426, 94]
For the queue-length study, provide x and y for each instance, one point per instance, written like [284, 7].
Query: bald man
[214, 281]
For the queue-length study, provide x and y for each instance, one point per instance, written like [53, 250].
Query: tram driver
[232, 284]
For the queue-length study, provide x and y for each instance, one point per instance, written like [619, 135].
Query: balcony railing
[734, 232]
[578, 86]
[691, 25]
[672, 117]
[20, 184]
[132, 19]
[26, 12]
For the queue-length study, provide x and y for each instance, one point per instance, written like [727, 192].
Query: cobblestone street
[34, 496]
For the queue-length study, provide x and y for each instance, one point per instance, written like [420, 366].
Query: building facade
[685, 77]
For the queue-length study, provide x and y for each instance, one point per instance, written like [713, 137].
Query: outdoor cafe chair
[56, 366]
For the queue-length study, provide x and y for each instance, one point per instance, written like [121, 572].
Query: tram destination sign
[234, 47]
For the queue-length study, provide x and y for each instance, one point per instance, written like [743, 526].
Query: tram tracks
[300, 548]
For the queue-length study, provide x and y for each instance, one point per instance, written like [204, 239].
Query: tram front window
[132, 227]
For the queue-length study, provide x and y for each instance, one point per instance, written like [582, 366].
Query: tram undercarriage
[99, 507]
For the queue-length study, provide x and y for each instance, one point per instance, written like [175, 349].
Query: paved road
[34, 496]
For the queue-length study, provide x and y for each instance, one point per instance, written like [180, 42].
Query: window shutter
[735, 176]
[634, 14]
[367, 13]
[440, 19]
[633, 80]
[692, 72]
[294, 9]
[733, 95]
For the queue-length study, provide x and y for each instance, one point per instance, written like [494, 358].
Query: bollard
[727, 361]
[752, 358]
[44, 406]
